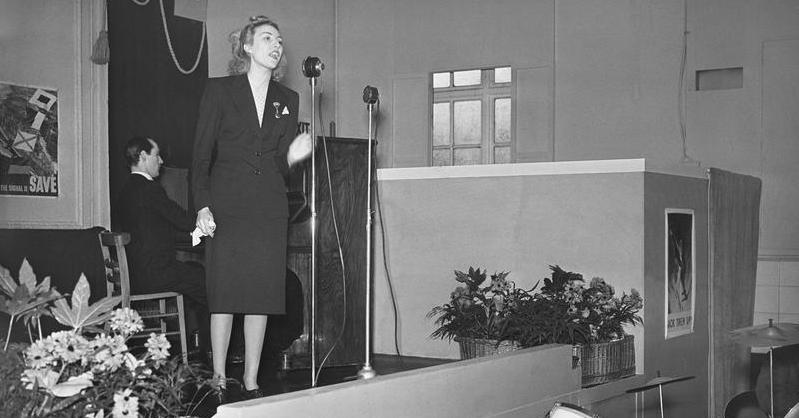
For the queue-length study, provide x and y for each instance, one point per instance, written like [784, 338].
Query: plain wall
[48, 44]
[685, 355]
[609, 225]
[608, 75]
[752, 130]
[597, 80]
[587, 223]
[389, 44]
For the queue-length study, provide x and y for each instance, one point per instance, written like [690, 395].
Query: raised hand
[300, 148]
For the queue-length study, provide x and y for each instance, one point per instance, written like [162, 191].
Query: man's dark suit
[151, 218]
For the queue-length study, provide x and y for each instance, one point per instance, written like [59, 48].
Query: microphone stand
[312, 68]
[370, 97]
[313, 233]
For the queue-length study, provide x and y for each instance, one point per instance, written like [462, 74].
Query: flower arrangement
[564, 311]
[568, 312]
[485, 312]
[88, 370]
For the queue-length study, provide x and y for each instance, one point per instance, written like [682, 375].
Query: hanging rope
[169, 40]
[172, 51]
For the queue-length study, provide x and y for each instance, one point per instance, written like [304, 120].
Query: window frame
[486, 92]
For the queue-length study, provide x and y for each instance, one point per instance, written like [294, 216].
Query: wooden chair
[152, 307]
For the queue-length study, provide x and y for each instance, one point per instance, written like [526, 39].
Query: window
[472, 117]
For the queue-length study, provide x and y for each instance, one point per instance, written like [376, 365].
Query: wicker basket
[603, 362]
[477, 347]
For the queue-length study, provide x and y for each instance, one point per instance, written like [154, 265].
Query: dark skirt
[246, 265]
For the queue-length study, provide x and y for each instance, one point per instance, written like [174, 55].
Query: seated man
[146, 212]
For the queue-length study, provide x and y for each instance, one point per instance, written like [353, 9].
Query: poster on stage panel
[680, 273]
[28, 140]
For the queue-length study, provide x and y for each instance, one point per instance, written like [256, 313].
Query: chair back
[116, 264]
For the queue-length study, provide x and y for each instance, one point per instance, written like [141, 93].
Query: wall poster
[680, 283]
[28, 140]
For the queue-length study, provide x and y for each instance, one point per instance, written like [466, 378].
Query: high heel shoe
[252, 394]
[221, 393]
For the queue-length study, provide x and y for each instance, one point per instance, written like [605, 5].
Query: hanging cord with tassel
[100, 50]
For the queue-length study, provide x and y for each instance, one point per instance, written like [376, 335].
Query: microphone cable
[338, 243]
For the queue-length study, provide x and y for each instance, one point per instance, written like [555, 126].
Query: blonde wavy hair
[240, 63]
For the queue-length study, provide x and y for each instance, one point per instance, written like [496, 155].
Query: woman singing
[244, 146]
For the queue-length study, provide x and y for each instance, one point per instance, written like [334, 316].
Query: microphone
[312, 67]
[370, 95]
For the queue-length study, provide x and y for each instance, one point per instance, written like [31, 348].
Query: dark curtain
[61, 254]
[735, 226]
[148, 95]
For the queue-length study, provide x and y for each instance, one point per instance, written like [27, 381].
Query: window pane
[467, 156]
[441, 124]
[502, 120]
[502, 75]
[442, 157]
[440, 80]
[467, 78]
[501, 155]
[467, 122]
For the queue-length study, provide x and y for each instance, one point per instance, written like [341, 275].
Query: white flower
[158, 346]
[106, 361]
[126, 321]
[70, 347]
[38, 355]
[125, 405]
[109, 352]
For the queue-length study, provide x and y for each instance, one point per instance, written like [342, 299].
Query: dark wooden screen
[338, 302]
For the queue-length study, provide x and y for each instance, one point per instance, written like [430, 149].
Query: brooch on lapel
[277, 109]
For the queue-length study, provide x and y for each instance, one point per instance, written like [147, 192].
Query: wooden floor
[274, 381]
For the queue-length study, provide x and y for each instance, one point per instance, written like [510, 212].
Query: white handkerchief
[197, 234]
[286, 110]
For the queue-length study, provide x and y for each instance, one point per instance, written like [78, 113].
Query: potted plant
[591, 318]
[480, 317]
[498, 317]
[87, 369]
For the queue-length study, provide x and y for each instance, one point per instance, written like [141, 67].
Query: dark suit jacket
[236, 162]
[151, 218]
